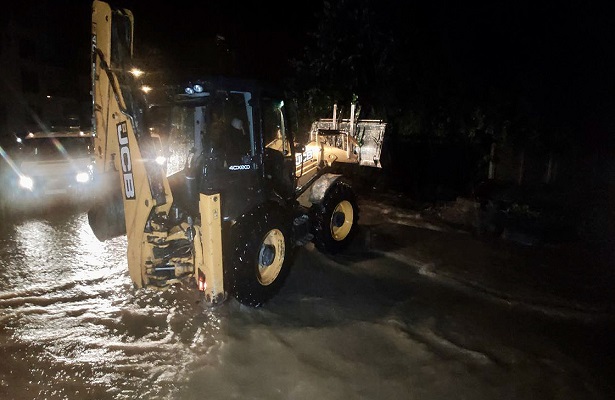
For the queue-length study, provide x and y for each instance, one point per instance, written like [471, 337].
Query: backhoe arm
[121, 142]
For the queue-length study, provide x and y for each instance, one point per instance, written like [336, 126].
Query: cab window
[274, 129]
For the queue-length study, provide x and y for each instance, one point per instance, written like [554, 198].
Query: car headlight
[82, 177]
[26, 182]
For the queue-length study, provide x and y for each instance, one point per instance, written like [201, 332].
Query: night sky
[569, 43]
[559, 55]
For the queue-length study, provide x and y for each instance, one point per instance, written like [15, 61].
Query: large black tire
[259, 247]
[334, 220]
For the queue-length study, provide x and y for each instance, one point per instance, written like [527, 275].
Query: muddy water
[72, 326]
[359, 326]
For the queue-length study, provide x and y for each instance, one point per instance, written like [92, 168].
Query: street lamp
[136, 72]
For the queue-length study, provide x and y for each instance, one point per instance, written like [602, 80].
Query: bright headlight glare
[189, 90]
[160, 160]
[82, 177]
[26, 182]
[197, 88]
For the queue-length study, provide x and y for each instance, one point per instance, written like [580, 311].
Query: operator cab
[229, 138]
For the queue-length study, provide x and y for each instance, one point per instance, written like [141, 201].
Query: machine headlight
[26, 182]
[82, 177]
[160, 160]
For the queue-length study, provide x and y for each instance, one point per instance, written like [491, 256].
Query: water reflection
[352, 326]
[73, 324]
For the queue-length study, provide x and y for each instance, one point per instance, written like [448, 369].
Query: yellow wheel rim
[270, 257]
[341, 220]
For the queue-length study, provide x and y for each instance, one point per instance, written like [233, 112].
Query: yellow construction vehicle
[236, 194]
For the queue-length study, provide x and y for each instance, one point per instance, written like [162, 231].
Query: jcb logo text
[125, 161]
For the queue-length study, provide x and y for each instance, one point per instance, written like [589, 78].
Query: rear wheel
[260, 257]
[334, 220]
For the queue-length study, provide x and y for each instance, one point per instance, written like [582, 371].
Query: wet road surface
[363, 325]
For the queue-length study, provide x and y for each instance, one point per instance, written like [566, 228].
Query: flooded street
[71, 324]
[374, 323]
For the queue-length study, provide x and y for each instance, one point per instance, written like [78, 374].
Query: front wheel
[334, 220]
[259, 247]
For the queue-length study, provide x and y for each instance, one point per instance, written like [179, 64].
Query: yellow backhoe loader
[235, 194]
